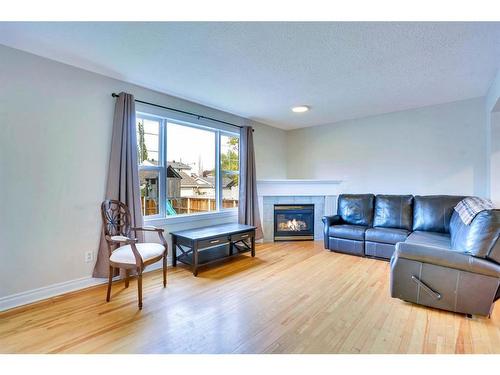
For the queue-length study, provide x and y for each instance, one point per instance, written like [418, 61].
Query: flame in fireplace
[293, 225]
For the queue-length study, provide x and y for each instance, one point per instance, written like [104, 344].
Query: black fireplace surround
[293, 222]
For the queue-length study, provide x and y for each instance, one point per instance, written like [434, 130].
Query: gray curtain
[248, 207]
[123, 175]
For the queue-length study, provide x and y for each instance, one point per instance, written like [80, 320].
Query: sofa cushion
[480, 238]
[430, 239]
[386, 235]
[393, 211]
[356, 209]
[347, 231]
[432, 213]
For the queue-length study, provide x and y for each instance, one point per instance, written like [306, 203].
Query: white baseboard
[39, 294]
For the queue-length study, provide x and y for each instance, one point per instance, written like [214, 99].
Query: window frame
[162, 216]
[160, 168]
[219, 178]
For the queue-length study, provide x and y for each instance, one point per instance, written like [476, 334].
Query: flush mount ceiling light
[300, 109]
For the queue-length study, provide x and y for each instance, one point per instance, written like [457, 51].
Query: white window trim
[219, 213]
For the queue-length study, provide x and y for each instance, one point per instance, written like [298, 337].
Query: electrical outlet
[89, 256]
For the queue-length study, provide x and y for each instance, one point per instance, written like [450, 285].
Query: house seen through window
[185, 168]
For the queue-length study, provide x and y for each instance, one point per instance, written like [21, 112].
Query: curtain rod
[114, 95]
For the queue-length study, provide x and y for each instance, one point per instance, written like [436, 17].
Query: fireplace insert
[293, 222]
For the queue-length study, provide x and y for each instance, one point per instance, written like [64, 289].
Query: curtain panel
[123, 174]
[248, 207]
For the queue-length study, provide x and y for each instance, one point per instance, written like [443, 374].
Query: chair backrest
[116, 219]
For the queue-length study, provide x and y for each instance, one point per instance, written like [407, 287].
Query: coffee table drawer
[216, 241]
[242, 236]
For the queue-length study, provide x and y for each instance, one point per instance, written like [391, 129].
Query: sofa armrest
[329, 221]
[446, 258]
[332, 220]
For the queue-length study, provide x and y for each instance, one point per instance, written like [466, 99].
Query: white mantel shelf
[298, 181]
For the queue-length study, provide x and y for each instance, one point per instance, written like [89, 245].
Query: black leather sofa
[436, 260]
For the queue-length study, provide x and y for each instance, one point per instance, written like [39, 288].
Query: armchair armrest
[148, 228]
[446, 258]
[121, 239]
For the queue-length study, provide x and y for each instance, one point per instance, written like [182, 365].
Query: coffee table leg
[195, 259]
[252, 241]
[174, 252]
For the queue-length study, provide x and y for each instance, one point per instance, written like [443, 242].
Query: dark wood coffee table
[206, 245]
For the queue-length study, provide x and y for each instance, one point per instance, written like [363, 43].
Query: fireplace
[293, 222]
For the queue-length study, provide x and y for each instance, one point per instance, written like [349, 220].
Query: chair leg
[110, 280]
[127, 277]
[139, 286]
[164, 271]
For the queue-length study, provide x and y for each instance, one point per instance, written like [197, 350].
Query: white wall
[493, 95]
[431, 150]
[270, 151]
[55, 123]
[493, 139]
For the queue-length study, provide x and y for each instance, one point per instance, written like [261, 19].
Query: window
[230, 169]
[191, 153]
[185, 168]
[148, 156]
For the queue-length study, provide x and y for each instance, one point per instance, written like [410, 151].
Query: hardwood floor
[292, 298]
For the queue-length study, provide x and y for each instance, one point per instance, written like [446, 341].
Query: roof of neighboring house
[178, 165]
[172, 173]
[148, 163]
[194, 180]
[226, 181]
[188, 180]
[148, 174]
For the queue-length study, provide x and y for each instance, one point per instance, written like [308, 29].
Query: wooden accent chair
[125, 251]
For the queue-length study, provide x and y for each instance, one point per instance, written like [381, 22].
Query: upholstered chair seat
[124, 254]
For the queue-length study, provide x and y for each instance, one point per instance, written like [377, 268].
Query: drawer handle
[244, 236]
[215, 241]
[426, 288]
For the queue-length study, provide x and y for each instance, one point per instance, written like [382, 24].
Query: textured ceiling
[260, 70]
